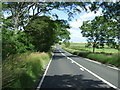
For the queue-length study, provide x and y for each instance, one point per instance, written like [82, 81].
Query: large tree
[100, 31]
[44, 32]
[19, 11]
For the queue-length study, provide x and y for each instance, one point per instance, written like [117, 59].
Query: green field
[106, 55]
[81, 46]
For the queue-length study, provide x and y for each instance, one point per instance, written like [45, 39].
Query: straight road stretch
[66, 70]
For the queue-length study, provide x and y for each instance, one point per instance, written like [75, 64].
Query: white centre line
[83, 68]
[93, 61]
[62, 53]
[94, 74]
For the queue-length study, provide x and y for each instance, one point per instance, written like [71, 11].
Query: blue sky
[75, 32]
[76, 22]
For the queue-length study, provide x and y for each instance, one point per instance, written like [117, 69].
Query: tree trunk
[94, 45]
[16, 23]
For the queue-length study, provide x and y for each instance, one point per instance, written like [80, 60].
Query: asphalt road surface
[70, 71]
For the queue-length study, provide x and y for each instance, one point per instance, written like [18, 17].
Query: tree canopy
[40, 32]
[100, 31]
[45, 32]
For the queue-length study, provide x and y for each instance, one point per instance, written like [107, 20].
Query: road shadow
[76, 82]
[58, 57]
[70, 56]
[57, 51]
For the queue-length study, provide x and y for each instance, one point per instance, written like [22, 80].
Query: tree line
[23, 32]
[103, 30]
[38, 35]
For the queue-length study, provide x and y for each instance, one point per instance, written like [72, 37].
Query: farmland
[81, 46]
[104, 55]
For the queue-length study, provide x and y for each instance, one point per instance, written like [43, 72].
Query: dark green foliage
[39, 35]
[88, 45]
[45, 32]
[67, 43]
[100, 31]
[14, 42]
[41, 30]
[111, 12]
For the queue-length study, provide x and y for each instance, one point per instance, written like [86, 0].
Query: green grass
[22, 71]
[81, 46]
[108, 59]
[106, 56]
[78, 44]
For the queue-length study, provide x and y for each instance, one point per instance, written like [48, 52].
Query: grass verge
[22, 71]
[113, 59]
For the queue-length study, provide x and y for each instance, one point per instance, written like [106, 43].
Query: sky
[77, 21]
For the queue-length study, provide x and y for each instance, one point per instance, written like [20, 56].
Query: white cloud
[76, 24]
[84, 17]
[76, 35]
[90, 15]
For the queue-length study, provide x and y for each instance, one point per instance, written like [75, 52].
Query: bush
[14, 43]
[67, 44]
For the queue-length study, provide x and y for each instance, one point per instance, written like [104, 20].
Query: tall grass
[113, 59]
[22, 71]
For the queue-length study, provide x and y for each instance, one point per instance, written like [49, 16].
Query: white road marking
[72, 62]
[95, 74]
[68, 58]
[63, 54]
[113, 68]
[59, 50]
[101, 63]
[39, 86]
[93, 61]
[82, 69]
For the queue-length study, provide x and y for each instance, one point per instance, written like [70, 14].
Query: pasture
[104, 55]
[81, 46]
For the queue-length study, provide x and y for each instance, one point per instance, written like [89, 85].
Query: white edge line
[96, 76]
[93, 61]
[39, 86]
[113, 67]
[91, 71]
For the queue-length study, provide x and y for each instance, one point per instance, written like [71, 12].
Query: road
[70, 71]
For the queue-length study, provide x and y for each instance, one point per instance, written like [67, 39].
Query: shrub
[22, 71]
[14, 43]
